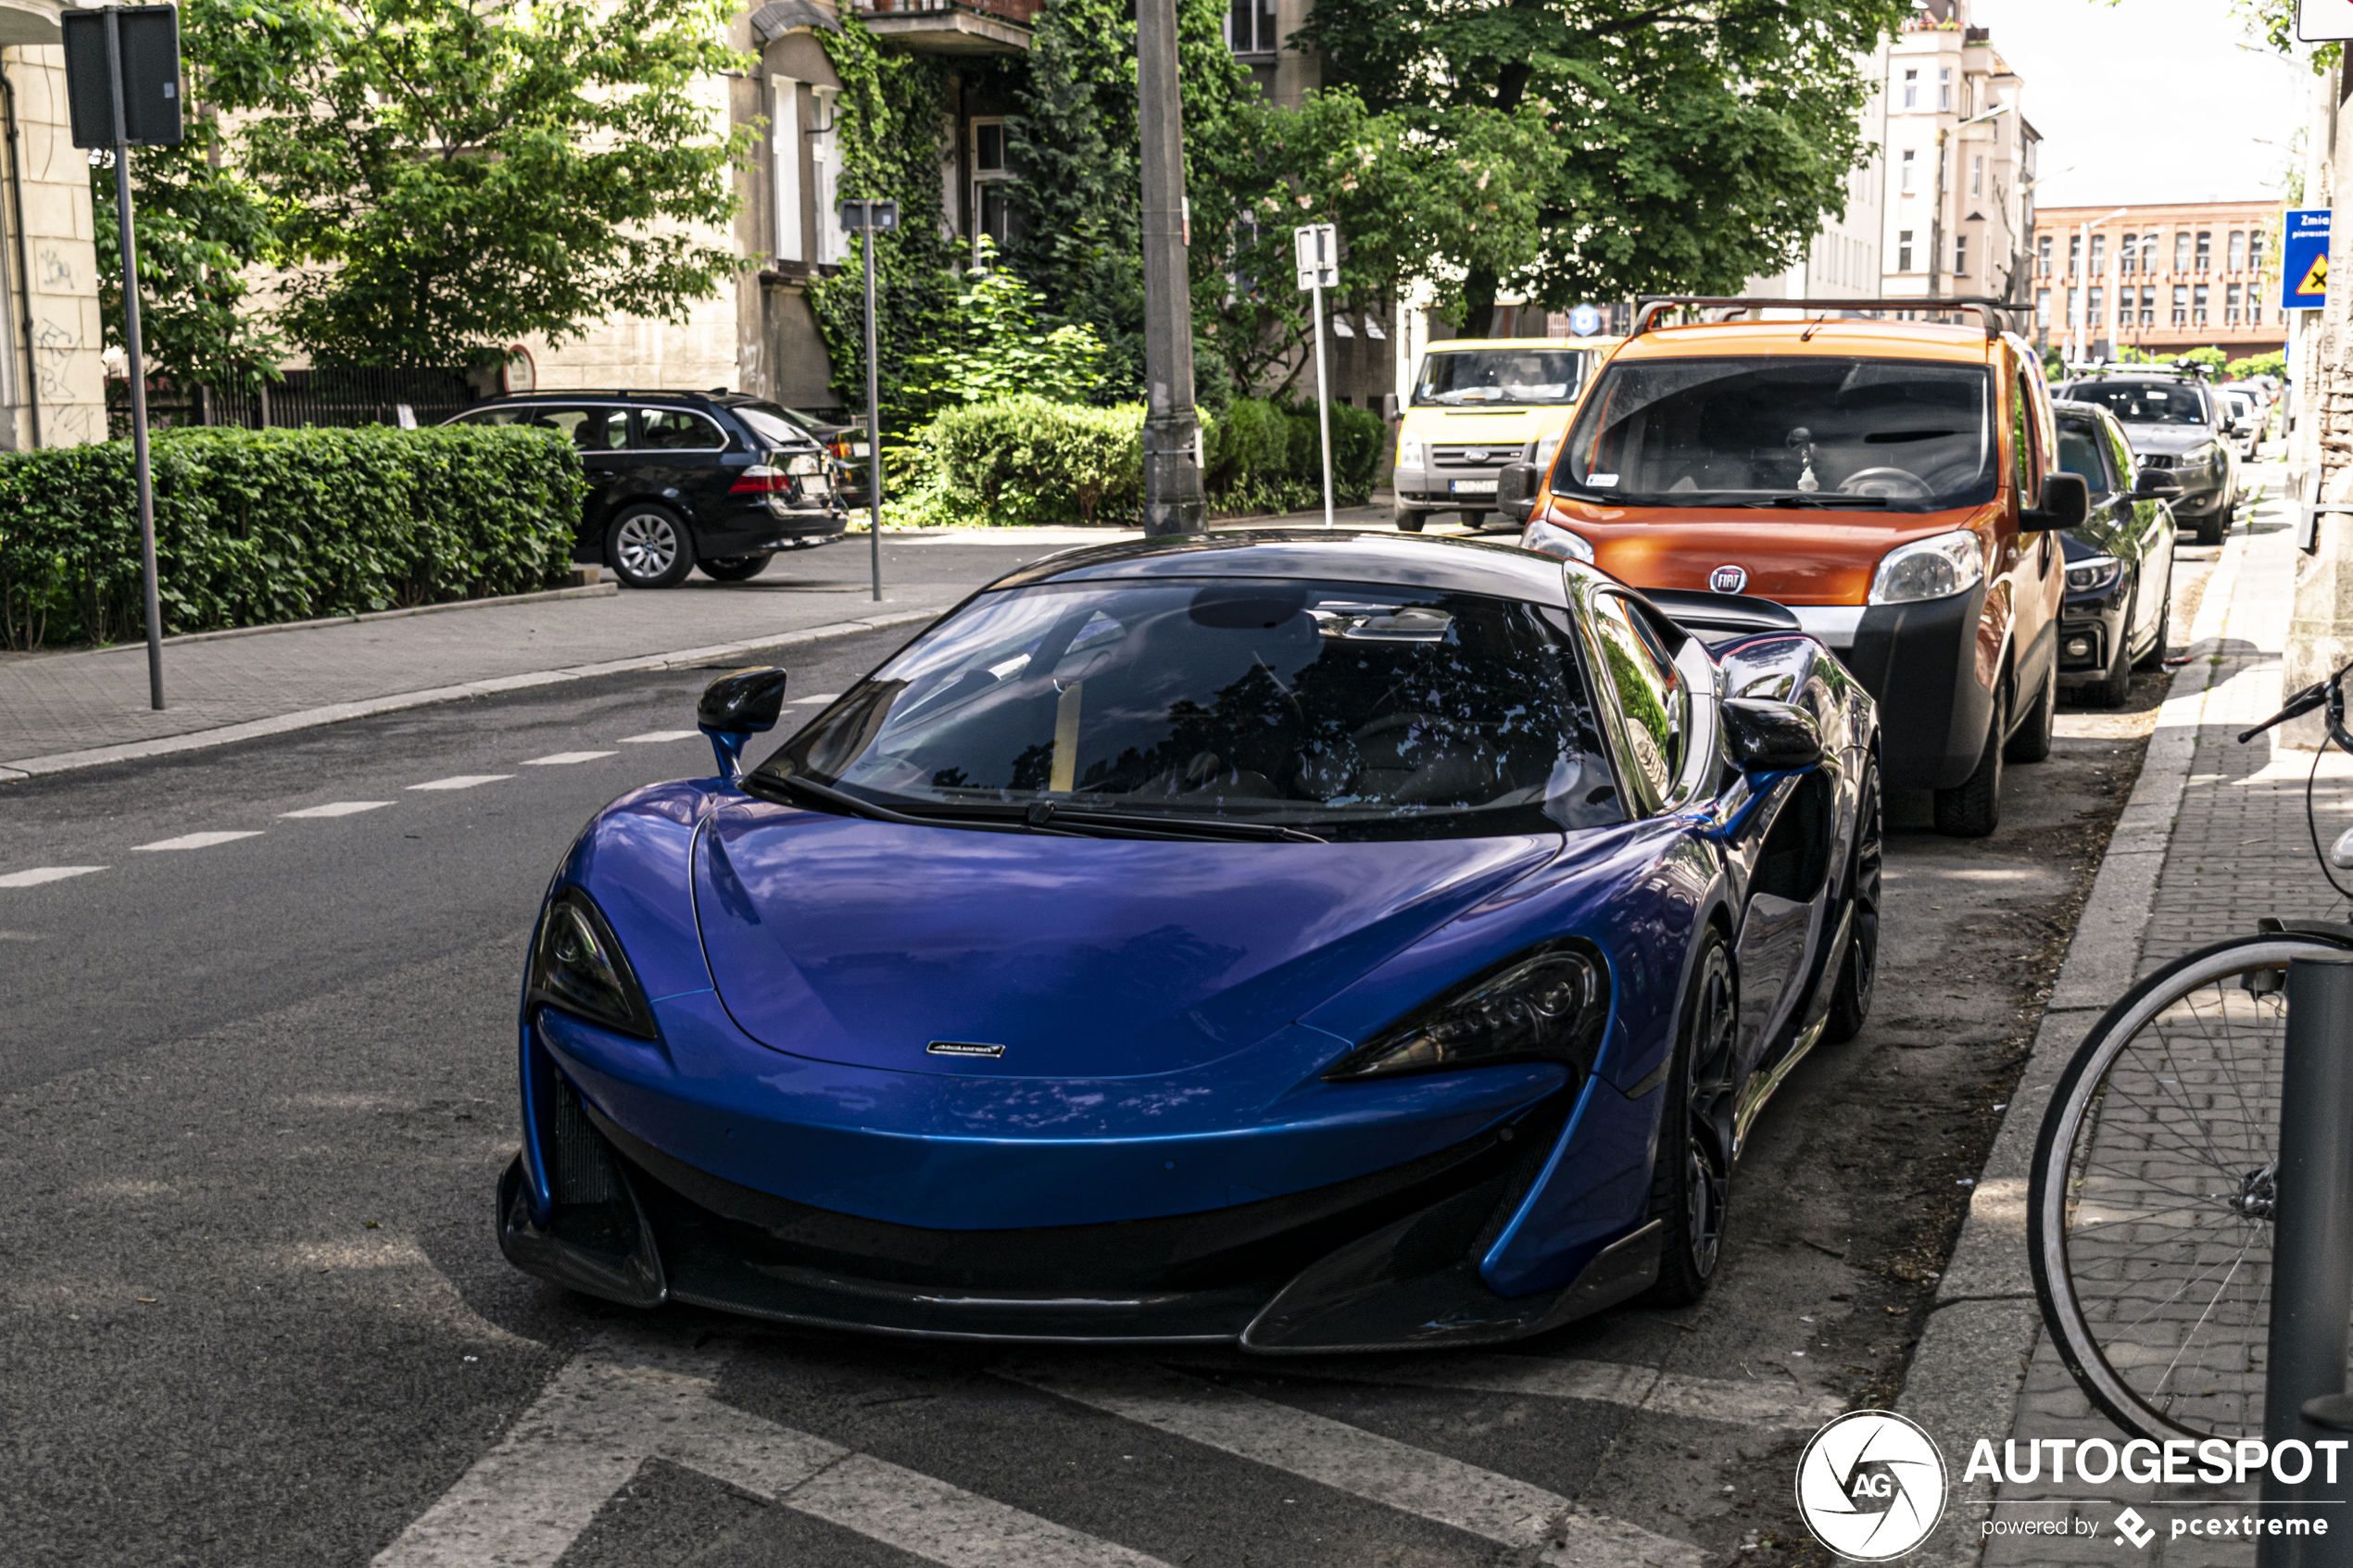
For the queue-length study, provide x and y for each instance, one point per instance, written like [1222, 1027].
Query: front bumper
[2090, 628]
[1434, 488]
[1919, 661]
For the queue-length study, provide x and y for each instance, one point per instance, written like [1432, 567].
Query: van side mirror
[2156, 484]
[1771, 737]
[736, 707]
[2067, 503]
[1516, 489]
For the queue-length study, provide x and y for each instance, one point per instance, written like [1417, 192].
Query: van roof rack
[1651, 307]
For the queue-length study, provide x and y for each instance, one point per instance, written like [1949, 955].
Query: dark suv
[678, 479]
[2178, 426]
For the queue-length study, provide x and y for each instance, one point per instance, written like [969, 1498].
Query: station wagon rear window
[1783, 431]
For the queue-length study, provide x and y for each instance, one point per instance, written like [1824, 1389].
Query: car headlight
[2092, 573]
[1550, 539]
[1409, 452]
[1933, 567]
[1549, 1004]
[578, 965]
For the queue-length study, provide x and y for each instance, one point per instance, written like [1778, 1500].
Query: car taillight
[762, 480]
[846, 449]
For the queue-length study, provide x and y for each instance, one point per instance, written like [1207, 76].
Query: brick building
[2163, 279]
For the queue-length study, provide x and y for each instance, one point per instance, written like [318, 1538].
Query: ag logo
[1728, 579]
[1872, 1485]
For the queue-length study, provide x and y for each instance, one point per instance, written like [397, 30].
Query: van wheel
[1973, 809]
[1474, 521]
[2032, 741]
[1409, 520]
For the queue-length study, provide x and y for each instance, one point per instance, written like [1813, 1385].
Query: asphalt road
[257, 1090]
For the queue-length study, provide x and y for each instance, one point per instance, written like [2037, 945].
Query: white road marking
[462, 781]
[618, 1404]
[654, 736]
[812, 696]
[200, 840]
[564, 758]
[1352, 1460]
[40, 874]
[338, 809]
[1761, 1403]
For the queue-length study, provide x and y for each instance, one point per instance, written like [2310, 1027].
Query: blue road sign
[2304, 260]
[1584, 321]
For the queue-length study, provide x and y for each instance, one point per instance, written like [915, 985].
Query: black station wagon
[681, 480]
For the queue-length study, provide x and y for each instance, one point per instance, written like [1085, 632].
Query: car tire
[735, 568]
[2114, 688]
[2155, 658]
[648, 546]
[2030, 742]
[2209, 530]
[1474, 521]
[1858, 967]
[1691, 1180]
[1973, 809]
[1409, 520]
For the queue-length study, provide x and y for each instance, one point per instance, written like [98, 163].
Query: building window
[2098, 299]
[1250, 28]
[784, 115]
[2180, 304]
[2205, 250]
[1911, 89]
[1903, 250]
[2238, 251]
[992, 211]
[1944, 89]
[2099, 255]
[1960, 256]
[2148, 252]
[2043, 306]
[2231, 303]
[2127, 255]
[2074, 254]
[2255, 238]
[824, 161]
[1910, 166]
[1976, 175]
[2197, 305]
[2042, 256]
[2181, 251]
[2148, 305]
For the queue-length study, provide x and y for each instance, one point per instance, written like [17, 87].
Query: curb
[335, 713]
[1970, 1366]
[587, 591]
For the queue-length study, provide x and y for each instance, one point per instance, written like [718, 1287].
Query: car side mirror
[2154, 485]
[736, 707]
[1771, 737]
[2067, 503]
[1516, 489]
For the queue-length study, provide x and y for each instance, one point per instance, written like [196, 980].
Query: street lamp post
[1936, 214]
[1173, 500]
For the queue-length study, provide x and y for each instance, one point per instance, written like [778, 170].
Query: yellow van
[1478, 403]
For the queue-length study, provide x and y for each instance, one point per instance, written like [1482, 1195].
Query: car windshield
[2079, 452]
[2145, 403]
[1349, 710]
[774, 424]
[1501, 375]
[1893, 434]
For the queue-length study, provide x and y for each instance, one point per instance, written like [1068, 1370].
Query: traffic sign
[2323, 21]
[1316, 248]
[1584, 321]
[881, 216]
[2304, 256]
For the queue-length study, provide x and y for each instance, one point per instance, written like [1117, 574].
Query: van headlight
[1409, 452]
[1934, 568]
[1550, 539]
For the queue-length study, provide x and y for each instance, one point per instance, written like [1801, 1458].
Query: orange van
[1892, 482]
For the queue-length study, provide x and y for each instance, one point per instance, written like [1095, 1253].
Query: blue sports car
[1319, 941]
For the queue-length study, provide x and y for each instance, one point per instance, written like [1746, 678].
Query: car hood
[1792, 557]
[862, 942]
[2169, 439]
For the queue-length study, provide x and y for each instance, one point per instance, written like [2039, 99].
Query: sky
[2148, 100]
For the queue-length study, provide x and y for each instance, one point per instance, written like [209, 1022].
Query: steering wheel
[1893, 484]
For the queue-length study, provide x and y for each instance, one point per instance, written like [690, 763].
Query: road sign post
[122, 90]
[872, 218]
[1316, 248]
[2304, 256]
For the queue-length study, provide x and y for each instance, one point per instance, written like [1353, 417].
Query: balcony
[953, 27]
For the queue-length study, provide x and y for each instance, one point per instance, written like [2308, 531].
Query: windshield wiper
[842, 800]
[1126, 824]
[1044, 818]
[1833, 503]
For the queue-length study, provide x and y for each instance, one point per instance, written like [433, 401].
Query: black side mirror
[2156, 484]
[2067, 503]
[736, 707]
[1516, 489]
[1771, 737]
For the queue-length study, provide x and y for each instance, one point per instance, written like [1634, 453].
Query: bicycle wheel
[2149, 1210]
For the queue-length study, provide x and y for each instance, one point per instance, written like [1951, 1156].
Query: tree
[1701, 141]
[448, 176]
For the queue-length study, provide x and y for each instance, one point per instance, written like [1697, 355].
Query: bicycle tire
[2085, 1273]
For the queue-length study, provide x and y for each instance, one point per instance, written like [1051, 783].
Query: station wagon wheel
[649, 548]
[1691, 1183]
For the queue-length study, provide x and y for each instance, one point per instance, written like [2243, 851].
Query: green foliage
[1263, 456]
[446, 176]
[1699, 140]
[2208, 356]
[254, 527]
[988, 344]
[1025, 460]
[2253, 365]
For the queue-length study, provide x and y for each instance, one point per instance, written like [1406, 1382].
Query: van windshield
[1501, 375]
[1769, 430]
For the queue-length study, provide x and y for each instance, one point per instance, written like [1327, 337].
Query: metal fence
[340, 397]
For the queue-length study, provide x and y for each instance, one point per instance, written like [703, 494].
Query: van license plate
[1474, 486]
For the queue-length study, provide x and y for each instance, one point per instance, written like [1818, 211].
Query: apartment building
[2163, 279]
[1958, 215]
[52, 374]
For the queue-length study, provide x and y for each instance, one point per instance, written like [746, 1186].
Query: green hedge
[257, 527]
[1028, 460]
[1263, 454]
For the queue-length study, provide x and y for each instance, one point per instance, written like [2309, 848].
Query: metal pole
[1936, 222]
[2311, 1248]
[874, 414]
[137, 365]
[1323, 399]
[1173, 500]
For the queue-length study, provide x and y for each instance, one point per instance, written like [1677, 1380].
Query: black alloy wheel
[1858, 970]
[648, 546]
[2032, 740]
[2155, 658]
[1691, 1183]
[2115, 686]
[735, 568]
[1973, 809]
